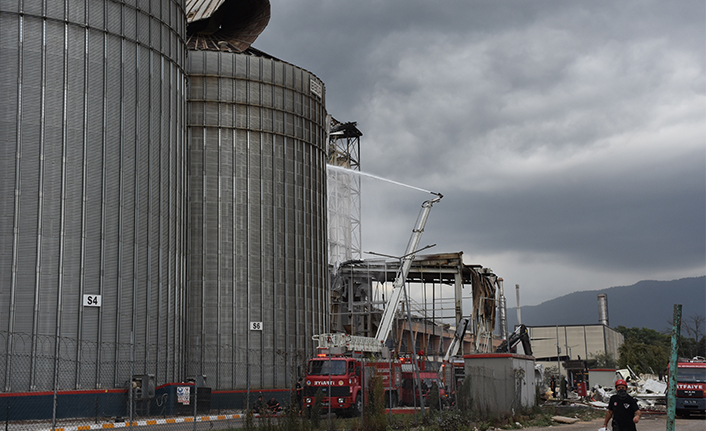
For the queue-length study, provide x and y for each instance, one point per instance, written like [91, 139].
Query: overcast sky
[568, 138]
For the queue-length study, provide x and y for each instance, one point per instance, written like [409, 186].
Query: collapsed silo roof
[225, 24]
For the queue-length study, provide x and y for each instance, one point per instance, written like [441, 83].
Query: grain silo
[92, 197]
[257, 266]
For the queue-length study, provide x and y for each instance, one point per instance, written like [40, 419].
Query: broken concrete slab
[564, 419]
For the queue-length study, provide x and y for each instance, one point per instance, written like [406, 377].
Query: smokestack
[603, 309]
[519, 315]
[502, 310]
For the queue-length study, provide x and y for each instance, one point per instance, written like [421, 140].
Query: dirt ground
[647, 423]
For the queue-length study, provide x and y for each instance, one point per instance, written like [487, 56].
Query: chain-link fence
[53, 382]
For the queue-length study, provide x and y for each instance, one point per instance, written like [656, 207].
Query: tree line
[645, 350]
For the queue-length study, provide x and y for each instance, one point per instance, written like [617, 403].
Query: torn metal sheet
[654, 386]
[225, 25]
[201, 9]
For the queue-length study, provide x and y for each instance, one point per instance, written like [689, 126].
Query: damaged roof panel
[197, 10]
[225, 24]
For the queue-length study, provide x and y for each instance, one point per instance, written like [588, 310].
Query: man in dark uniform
[300, 392]
[623, 409]
[259, 405]
[273, 405]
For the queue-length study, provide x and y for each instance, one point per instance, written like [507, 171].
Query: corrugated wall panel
[9, 29]
[250, 181]
[97, 131]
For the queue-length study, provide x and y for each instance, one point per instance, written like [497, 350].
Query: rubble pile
[647, 389]
[650, 394]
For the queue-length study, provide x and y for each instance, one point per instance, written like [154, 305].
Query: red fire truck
[342, 377]
[409, 394]
[344, 382]
[691, 387]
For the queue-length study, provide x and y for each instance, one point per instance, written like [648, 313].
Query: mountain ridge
[645, 304]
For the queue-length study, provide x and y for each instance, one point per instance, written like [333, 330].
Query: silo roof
[225, 24]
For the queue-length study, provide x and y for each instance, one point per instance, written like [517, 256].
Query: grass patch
[432, 420]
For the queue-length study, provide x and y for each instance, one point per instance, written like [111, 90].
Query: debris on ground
[649, 390]
[650, 393]
[655, 387]
[565, 420]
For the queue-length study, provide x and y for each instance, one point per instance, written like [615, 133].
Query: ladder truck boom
[407, 259]
[377, 344]
[457, 341]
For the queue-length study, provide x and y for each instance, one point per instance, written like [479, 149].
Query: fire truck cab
[343, 381]
[691, 387]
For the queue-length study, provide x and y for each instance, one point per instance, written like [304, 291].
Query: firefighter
[623, 409]
[299, 388]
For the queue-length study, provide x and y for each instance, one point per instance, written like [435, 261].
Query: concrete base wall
[113, 405]
[501, 383]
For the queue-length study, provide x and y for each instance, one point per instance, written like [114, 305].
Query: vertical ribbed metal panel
[257, 244]
[92, 197]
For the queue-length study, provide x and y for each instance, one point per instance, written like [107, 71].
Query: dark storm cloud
[568, 137]
[637, 224]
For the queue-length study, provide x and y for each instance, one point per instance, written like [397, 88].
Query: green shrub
[434, 399]
[313, 414]
[464, 401]
[374, 412]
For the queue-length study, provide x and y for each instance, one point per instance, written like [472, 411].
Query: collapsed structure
[357, 299]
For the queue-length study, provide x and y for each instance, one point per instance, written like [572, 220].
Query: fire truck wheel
[358, 405]
[391, 400]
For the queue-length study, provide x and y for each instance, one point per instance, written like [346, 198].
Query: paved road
[647, 423]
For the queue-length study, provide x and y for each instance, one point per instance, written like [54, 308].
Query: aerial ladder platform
[341, 343]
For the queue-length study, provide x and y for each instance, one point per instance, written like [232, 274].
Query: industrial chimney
[517, 293]
[502, 310]
[603, 309]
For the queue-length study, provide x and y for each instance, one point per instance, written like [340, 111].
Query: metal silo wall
[257, 217]
[92, 200]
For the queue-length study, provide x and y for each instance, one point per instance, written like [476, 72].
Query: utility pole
[673, 363]
[558, 360]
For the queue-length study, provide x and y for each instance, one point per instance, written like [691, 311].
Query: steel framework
[344, 193]
[359, 291]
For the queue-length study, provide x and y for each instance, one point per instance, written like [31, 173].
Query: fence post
[57, 351]
[131, 398]
[196, 400]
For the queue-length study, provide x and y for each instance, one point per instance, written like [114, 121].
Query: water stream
[351, 171]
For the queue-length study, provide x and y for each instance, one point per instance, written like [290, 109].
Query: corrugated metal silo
[257, 237]
[92, 200]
